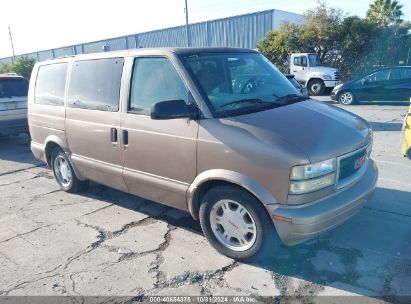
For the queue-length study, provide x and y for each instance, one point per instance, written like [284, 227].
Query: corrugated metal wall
[243, 31]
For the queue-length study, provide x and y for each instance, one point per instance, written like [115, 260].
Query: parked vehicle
[387, 84]
[307, 69]
[13, 104]
[406, 143]
[219, 132]
[299, 86]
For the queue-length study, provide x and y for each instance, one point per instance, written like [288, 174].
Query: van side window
[95, 84]
[50, 84]
[397, 74]
[154, 80]
[297, 61]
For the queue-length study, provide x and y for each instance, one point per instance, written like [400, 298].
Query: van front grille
[349, 165]
[337, 75]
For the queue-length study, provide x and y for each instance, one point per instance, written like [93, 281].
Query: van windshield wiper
[247, 100]
[291, 98]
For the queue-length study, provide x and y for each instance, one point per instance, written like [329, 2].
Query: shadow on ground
[357, 257]
[385, 126]
[16, 149]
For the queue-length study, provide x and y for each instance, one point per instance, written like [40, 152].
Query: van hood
[320, 130]
[323, 70]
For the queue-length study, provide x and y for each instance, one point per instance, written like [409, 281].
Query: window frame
[68, 72]
[68, 84]
[190, 99]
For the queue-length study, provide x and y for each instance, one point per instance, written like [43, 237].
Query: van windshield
[313, 60]
[13, 87]
[240, 83]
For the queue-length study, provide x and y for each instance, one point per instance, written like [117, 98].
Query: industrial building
[243, 31]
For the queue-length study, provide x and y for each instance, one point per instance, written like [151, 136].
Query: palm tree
[385, 12]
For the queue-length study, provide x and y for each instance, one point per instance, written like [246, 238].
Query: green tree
[278, 44]
[22, 66]
[385, 12]
[318, 34]
[353, 45]
[320, 31]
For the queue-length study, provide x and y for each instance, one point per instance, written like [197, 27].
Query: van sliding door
[93, 120]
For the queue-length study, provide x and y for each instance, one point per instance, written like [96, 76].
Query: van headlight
[327, 77]
[312, 177]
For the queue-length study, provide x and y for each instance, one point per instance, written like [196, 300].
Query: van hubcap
[315, 88]
[62, 170]
[346, 98]
[233, 225]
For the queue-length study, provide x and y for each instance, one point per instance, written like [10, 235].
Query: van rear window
[13, 87]
[50, 84]
[95, 84]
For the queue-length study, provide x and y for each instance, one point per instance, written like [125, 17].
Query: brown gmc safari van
[218, 132]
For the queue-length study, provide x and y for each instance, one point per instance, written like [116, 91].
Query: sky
[43, 24]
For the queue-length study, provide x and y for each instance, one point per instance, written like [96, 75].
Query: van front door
[299, 68]
[159, 155]
[93, 120]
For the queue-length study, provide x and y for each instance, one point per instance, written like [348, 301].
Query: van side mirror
[365, 81]
[173, 109]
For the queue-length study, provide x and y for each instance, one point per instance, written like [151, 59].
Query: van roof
[165, 50]
[10, 75]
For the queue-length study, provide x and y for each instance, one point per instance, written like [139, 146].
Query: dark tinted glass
[295, 83]
[154, 80]
[50, 84]
[95, 84]
[378, 76]
[13, 87]
[397, 74]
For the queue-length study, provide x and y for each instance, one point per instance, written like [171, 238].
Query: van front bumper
[296, 224]
[331, 83]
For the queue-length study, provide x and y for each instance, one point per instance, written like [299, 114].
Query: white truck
[307, 70]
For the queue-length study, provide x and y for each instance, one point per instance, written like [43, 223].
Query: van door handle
[125, 138]
[114, 138]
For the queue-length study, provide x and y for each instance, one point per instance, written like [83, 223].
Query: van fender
[314, 75]
[242, 180]
[55, 140]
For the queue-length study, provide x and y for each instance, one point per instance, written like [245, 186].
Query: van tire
[68, 181]
[266, 238]
[316, 87]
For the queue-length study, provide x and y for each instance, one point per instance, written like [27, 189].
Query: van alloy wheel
[62, 170]
[346, 98]
[233, 225]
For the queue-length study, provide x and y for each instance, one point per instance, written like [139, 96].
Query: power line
[12, 46]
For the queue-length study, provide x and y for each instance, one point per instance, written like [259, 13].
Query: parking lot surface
[108, 243]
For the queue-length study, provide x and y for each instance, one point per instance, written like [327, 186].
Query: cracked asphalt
[103, 242]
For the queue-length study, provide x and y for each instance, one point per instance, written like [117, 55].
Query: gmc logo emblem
[359, 162]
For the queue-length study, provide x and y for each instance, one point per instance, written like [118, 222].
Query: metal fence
[243, 31]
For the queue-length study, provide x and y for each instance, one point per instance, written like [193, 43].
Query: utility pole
[408, 56]
[187, 26]
[12, 46]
